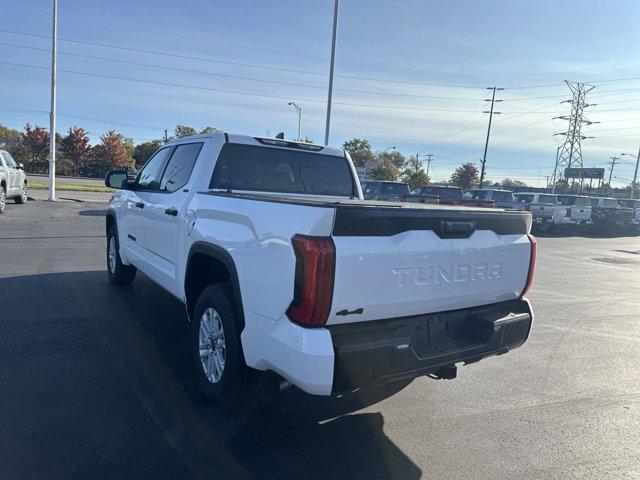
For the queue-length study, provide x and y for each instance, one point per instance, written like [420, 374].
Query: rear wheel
[3, 199]
[217, 358]
[23, 195]
[542, 227]
[119, 273]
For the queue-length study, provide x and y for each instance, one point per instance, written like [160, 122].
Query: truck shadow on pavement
[97, 377]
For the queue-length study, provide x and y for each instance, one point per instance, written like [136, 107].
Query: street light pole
[333, 61]
[52, 113]
[299, 110]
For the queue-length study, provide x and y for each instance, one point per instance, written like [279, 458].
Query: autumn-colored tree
[414, 173]
[359, 150]
[465, 176]
[75, 149]
[385, 170]
[35, 148]
[394, 156]
[143, 152]
[111, 152]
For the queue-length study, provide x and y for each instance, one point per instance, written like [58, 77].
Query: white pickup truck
[545, 210]
[283, 267]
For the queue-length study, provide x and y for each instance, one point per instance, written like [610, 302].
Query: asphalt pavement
[94, 384]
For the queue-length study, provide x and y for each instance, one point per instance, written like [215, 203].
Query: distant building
[364, 173]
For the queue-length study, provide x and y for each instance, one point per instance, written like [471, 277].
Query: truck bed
[356, 217]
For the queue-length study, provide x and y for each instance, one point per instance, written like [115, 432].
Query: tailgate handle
[451, 229]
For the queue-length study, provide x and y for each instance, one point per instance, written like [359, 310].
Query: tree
[184, 131]
[395, 157]
[360, 151]
[385, 170]
[465, 176]
[11, 140]
[209, 130]
[75, 148]
[35, 148]
[111, 152]
[143, 152]
[510, 184]
[414, 173]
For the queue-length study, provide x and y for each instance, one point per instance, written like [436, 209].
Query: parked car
[449, 195]
[544, 209]
[381, 190]
[284, 268]
[13, 180]
[501, 198]
[607, 213]
[635, 206]
[579, 209]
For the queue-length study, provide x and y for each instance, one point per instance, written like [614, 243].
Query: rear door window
[502, 196]
[399, 189]
[270, 169]
[551, 199]
[180, 166]
[523, 198]
[448, 193]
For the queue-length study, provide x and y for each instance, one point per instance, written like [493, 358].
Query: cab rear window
[271, 169]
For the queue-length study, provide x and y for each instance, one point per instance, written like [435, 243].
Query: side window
[180, 166]
[150, 174]
[9, 159]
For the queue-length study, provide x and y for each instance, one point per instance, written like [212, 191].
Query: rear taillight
[568, 214]
[403, 198]
[527, 207]
[532, 264]
[313, 288]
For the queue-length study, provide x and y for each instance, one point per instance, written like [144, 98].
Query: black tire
[119, 273]
[3, 199]
[543, 227]
[22, 198]
[237, 385]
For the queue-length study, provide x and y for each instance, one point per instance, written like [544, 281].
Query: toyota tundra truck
[284, 268]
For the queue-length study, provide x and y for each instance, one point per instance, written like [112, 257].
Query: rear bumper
[382, 351]
[341, 357]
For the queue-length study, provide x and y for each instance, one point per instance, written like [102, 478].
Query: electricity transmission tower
[569, 154]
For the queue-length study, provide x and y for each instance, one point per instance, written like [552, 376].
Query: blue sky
[410, 74]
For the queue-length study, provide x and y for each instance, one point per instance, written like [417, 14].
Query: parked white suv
[13, 180]
[544, 209]
[283, 267]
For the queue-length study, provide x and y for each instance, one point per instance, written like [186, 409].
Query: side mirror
[117, 179]
[20, 166]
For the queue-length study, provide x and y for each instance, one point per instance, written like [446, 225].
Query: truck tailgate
[402, 262]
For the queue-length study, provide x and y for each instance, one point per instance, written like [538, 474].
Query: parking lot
[94, 385]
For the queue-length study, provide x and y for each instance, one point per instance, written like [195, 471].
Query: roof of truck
[250, 139]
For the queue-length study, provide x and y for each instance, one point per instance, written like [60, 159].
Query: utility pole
[166, 137]
[429, 158]
[613, 164]
[553, 177]
[333, 61]
[52, 113]
[635, 174]
[570, 153]
[299, 110]
[486, 143]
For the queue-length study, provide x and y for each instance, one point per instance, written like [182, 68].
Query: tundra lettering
[436, 274]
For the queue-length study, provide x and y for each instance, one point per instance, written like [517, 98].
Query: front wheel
[217, 358]
[22, 199]
[119, 273]
[3, 199]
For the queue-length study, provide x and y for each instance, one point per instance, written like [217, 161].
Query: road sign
[584, 173]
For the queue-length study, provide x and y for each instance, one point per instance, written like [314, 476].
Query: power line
[236, 77]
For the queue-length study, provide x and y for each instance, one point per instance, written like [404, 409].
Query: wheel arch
[209, 264]
[110, 221]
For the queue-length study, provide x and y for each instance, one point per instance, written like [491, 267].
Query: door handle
[140, 204]
[171, 211]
